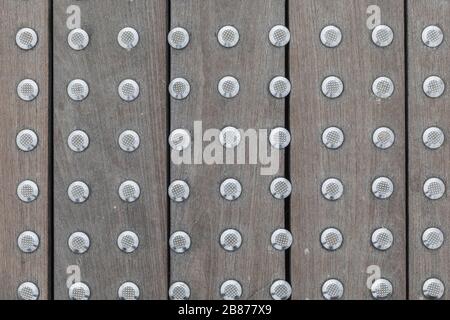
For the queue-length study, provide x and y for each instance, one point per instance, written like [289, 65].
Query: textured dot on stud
[79, 242]
[332, 289]
[78, 90]
[331, 36]
[179, 88]
[383, 87]
[129, 141]
[432, 36]
[382, 188]
[128, 90]
[280, 290]
[331, 239]
[78, 192]
[27, 191]
[28, 241]
[179, 191]
[27, 90]
[180, 139]
[78, 141]
[179, 291]
[434, 188]
[228, 87]
[281, 239]
[78, 39]
[333, 138]
[128, 291]
[434, 87]
[381, 289]
[180, 242]
[231, 189]
[178, 38]
[27, 140]
[79, 291]
[129, 191]
[28, 291]
[280, 87]
[281, 188]
[382, 239]
[332, 87]
[433, 238]
[332, 189]
[228, 36]
[231, 240]
[230, 137]
[433, 138]
[279, 36]
[383, 138]
[280, 138]
[433, 289]
[382, 36]
[231, 290]
[128, 241]
[26, 38]
[128, 38]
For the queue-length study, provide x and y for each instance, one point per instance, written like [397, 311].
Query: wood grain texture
[205, 215]
[358, 62]
[423, 113]
[104, 166]
[16, 166]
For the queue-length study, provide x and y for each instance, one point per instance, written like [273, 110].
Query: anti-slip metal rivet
[381, 289]
[79, 291]
[280, 138]
[228, 87]
[27, 191]
[178, 38]
[332, 189]
[26, 38]
[332, 289]
[27, 140]
[178, 191]
[179, 291]
[231, 189]
[28, 242]
[333, 138]
[128, 291]
[382, 36]
[231, 240]
[332, 87]
[230, 137]
[128, 241]
[129, 191]
[279, 36]
[433, 138]
[228, 36]
[128, 38]
[433, 238]
[179, 88]
[128, 90]
[180, 242]
[231, 290]
[78, 90]
[331, 239]
[281, 239]
[382, 239]
[78, 141]
[78, 192]
[383, 88]
[28, 291]
[281, 188]
[78, 39]
[129, 141]
[434, 188]
[331, 36]
[432, 36]
[180, 139]
[383, 138]
[280, 290]
[27, 90]
[79, 242]
[433, 289]
[434, 87]
[382, 188]
[280, 87]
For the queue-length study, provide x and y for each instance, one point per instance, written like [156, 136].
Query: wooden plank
[424, 163]
[205, 215]
[104, 166]
[16, 166]
[358, 62]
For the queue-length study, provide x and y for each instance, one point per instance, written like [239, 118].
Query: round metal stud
[78, 141]
[382, 188]
[228, 36]
[128, 90]
[179, 88]
[78, 192]
[332, 189]
[434, 188]
[231, 189]
[78, 39]
[178, 38]
[381, 289]
[28, 291]
[129, 191]
[79, 242]
[331, 36]
[281, 188]
[27, 191]
[332, 87]
[279, 36]
[280, 290]
[180, 242]
[433, 138]
[128, 38]
[433, 238]
[382, 239]
[432, 36]
[28, 242]
[383, 138]
[231, 290]
[26, 38]
[280, 138]
[78, 90]
[280, 87]
[332, 289]
[433, 289]
[27, 140]
[128, 291]
[179, 291]
[179, 191]
[281, 239]
[331, 239]
[333, 138]
[382, 36]
[383, 88]
[79, 291]
[228, 87]
[180, 139]
[27, 90]
[129, 141]
[434, 87]
[231, 240]
[230, 137]
[128, 241]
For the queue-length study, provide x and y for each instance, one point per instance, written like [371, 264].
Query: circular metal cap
[433, 238]
[280, 290]
[178, 38]
[333, 138]
[180, 242]
[434, 188]
[129, 141]
[381, 289]
[228, 87]
[78, 141]
[231, 240]
[382, 36]
[28, 291]
[280, 138]
[432, 36]
[79, 291]
[281, 188]
[28, 242]
[279, 36]
[129, 191]
[128, 38]
[433, 138]
[382, 188]
[27, 191]
[26, 38]
[128, 291]
[178, 191]
[180, 139]
[128, 241]
[27, 90]
[78, 192]
[128, 90]
[231, 189]
[230, 137]
[78, 90]
[382, 239]
[331, 36]
[434, 87]
[332, 189]
[280, 87]
[78, 39]
[383, 138]
[332, 87]
[79, 242]
[281, 239]
[332, 289]
[331, 239]
[383, 88]
[27, 140]
[433, 289]
[228, 36]
[231, 290]
[179, 88]
[179, 291]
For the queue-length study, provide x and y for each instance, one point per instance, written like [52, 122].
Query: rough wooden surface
[104, 166]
